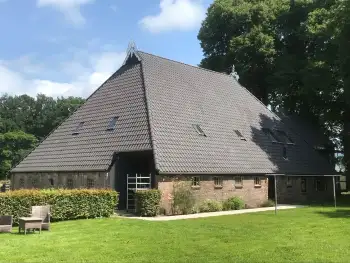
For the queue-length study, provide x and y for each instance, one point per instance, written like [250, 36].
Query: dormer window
[112, 123]
[239, 134]
[199, 130]
[78, 128]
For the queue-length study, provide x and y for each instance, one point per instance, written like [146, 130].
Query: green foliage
[292, 55]
[13, 147]
[65, 204]
[183, 198]
[148, 202]
[25, 120]
[233, 203]
[268, 203]
[294, 235]
[210, 206]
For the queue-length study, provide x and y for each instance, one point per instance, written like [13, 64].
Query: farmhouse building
[156, 121]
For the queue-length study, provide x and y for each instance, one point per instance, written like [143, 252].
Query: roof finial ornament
[132, 45]
[131, 52]
[234, 73]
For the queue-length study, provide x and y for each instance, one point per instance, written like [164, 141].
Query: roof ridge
[179, 62]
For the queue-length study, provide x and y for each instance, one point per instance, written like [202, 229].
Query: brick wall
[61, 180]
[252, 195]
[291, 192]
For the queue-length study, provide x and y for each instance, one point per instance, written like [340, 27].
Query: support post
[334, 195]
[275, 183]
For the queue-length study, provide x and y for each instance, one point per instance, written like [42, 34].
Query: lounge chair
[6, 223]
[44, 213]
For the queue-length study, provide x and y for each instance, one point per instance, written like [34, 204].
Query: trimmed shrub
[233, 203]
[268, 203]
[210, 206]
[183, 199]
[65, 204]
[148, 202]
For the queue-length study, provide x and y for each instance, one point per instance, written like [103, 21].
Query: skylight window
[199, 130]
[112, 123]
[273, 137]
[77, 129]
[239, 134]
[284, 153]
[284, 137]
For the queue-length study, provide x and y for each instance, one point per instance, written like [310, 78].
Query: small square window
[239, 134]
[69, 183]
[90, 183]
[238, 181]
[77, 129]
[199, 130]
[21, 183]
[195, 181]
[112, 123]
[289, 182]
[320, 185]
[217, 181]
[35, 183]
[257, 181]
[303, 185]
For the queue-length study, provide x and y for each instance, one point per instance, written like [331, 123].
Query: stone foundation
[253, 195]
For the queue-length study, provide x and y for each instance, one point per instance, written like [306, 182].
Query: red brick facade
[253, 195]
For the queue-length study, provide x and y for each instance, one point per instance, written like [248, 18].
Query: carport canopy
[305, 175]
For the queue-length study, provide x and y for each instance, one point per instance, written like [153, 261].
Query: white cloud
[175, 15]
[70, 8]
[87, 77]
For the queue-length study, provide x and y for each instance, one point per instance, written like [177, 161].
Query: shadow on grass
[335, 214]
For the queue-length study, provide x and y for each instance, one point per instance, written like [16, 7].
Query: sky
[70, 47]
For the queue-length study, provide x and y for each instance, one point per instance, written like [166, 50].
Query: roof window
[239, 134]
[284, 137]
[112, 123]
[284, 152]
[77, 129]
[199, 130]
[273, 137]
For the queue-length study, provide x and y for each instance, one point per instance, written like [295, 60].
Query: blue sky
[69, 47]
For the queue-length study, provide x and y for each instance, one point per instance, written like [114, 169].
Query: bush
[210, 206]
[268, 203]
[148, 202]
[233, 203]
[65, 204]
[183, 199]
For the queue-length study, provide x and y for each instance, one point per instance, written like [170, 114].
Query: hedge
[65, 204]
[233, 203]
[147, 202]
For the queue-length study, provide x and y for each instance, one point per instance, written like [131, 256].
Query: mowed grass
[316, 234]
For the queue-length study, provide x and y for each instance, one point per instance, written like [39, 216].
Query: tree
[13, 147]
[292, 55]
[25, 120]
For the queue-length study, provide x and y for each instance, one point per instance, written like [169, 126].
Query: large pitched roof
[181, 95]
[122, 95]
[158, 101]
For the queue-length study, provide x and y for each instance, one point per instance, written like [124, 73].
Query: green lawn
[300, 235]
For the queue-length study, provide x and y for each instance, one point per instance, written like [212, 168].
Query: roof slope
[180, 95]
[121, 96]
